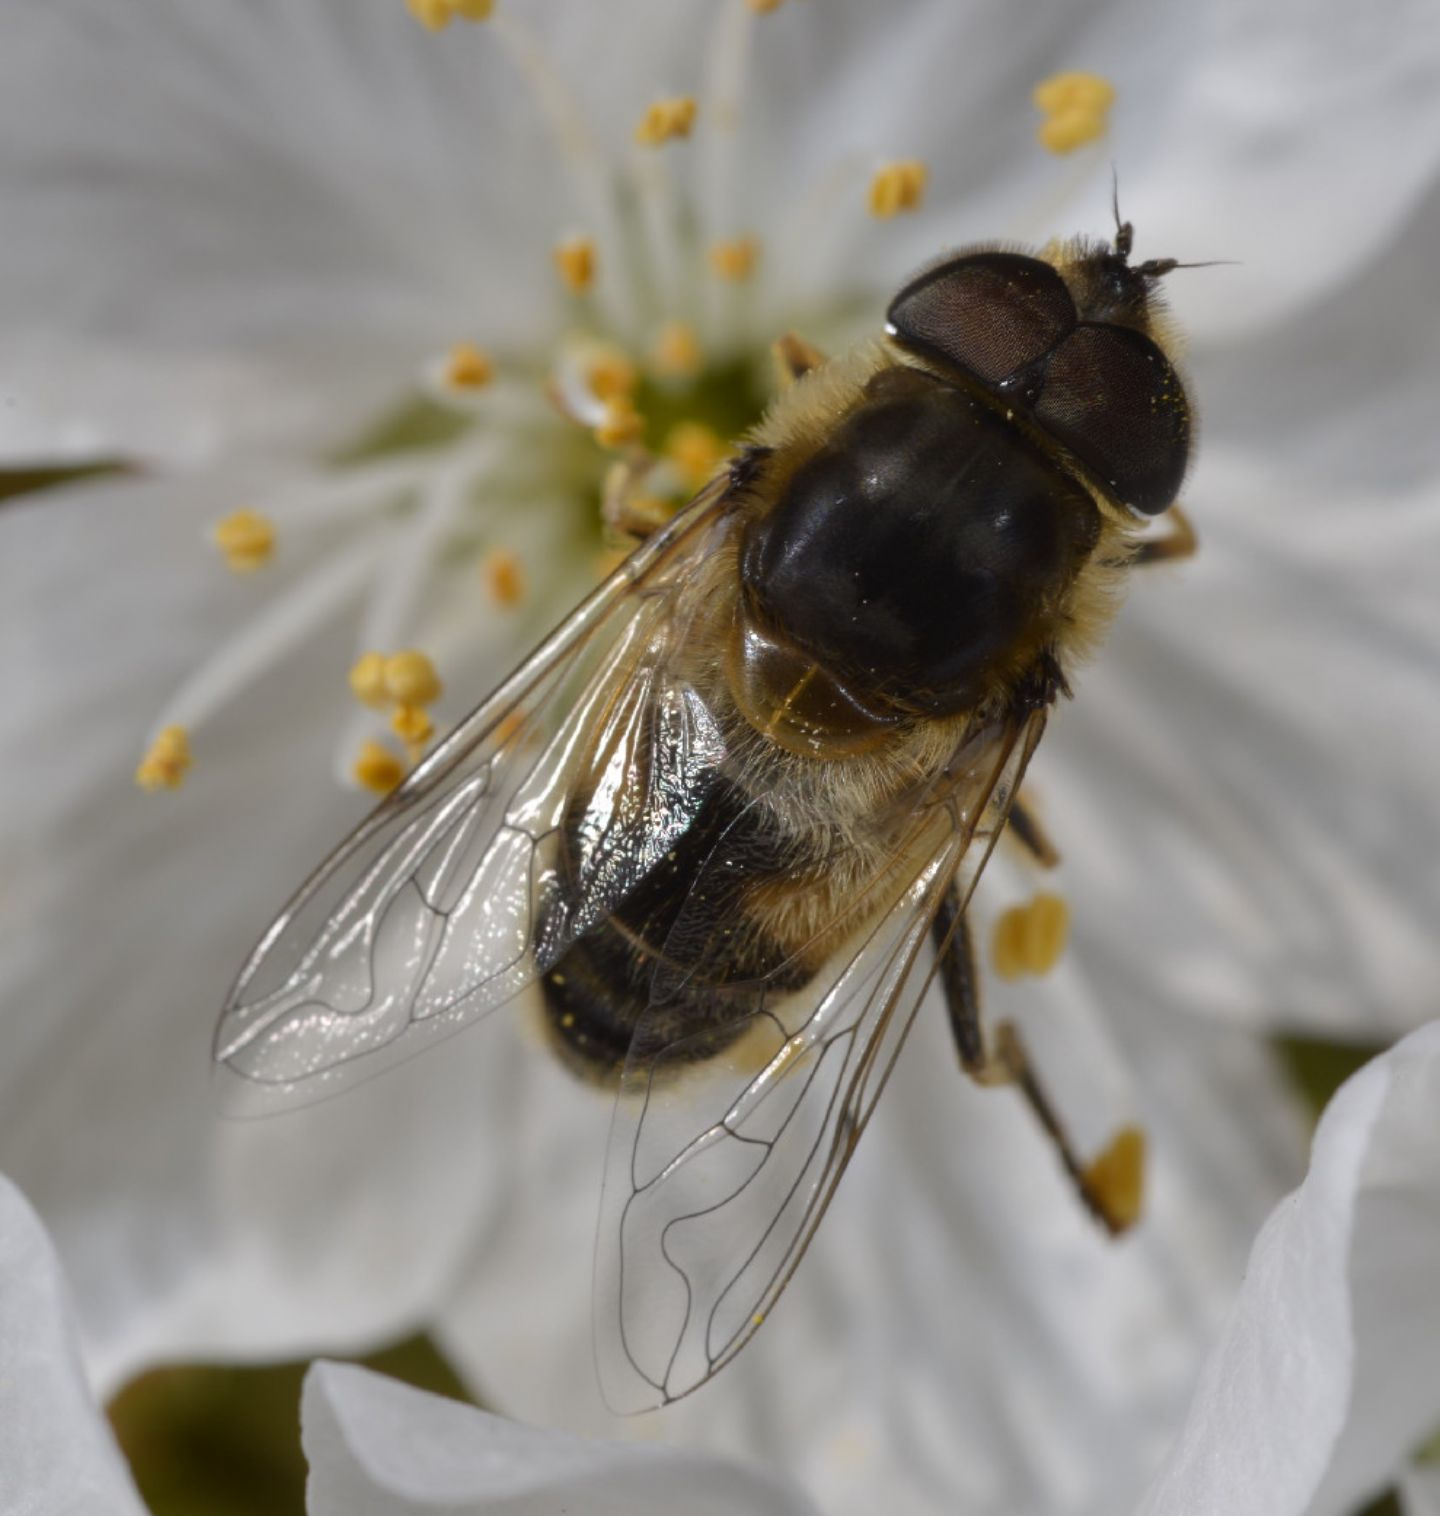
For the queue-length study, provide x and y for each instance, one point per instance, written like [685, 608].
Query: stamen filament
[387, 619]
[582, 161]
[660, 218]
[724, 85]
[355, 488]
[814, 237]
[283, 625]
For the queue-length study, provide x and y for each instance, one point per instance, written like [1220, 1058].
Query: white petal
[56, 1450]
[247, 220]
[1420, 1490]
[959, 1333]
[378, 1448]
[1223, 114]
[1242, 777]
[1328, 1374]
[125, 916]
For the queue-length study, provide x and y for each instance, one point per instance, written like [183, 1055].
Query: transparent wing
[446, 902]
[719, 1172]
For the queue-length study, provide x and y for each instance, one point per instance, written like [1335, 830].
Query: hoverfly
[722, 813]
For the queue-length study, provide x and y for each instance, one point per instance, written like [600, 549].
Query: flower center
[671, 303]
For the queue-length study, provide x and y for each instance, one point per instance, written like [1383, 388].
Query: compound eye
[1114, 399]
[991, 314]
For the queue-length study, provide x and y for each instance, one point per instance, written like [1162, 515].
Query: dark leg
[1109, 1187]
[1026, 829]
[1181, 542]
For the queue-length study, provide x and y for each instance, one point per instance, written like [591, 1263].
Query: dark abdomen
[681, 963]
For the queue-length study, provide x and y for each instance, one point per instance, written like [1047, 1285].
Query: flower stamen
[696, 450]
[734, 261]
[503, 576]
[581, 157]
[166, 761]
[665, 120]
[436, 15]
[246, 538]
[676, 352]
[1076, 108]
[575, 262]
[1030, 938]
[622, 425]
[897, 187]
[468, 368]
[376, 768]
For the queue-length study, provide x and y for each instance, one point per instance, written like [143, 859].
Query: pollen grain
[247, 540]
[665, 120]
[376, 768]
[436, 15]
[468, 368]
[367, 681]
[623, 425]
[166, 761]
[696, 450]
[734, 261]
[412, 725]
[504, 576]
[410, 678]
[898, 187]
[575, 263]
[676, 353]
[1030, 938]
[1076, 108]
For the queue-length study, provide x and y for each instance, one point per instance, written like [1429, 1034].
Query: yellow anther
[1115, 1181]
[696, 450]
[612, 377]
[436, 15]
[412, 725]
[166, 761]
[1076, 108]
[246, 538]
[504, 577]
[735, 260]
[676, 354]
[467, 368]
[377, 768]
[764, 7]
[898, 187]
[666, 119]
[433, 14]
[575, 262]
[622, 426]
[367, 681]
[1029, 939]
[410, 678]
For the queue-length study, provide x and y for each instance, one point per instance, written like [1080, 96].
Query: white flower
[1328, 1373]
[238, 235]
[378, 1448]
[373, 1445]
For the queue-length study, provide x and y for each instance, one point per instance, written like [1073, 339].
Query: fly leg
[1024, 826]
[1180, 542]
[1109, 1186]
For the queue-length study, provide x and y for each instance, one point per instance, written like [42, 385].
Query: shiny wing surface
[719, 1172]
[445, 902]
